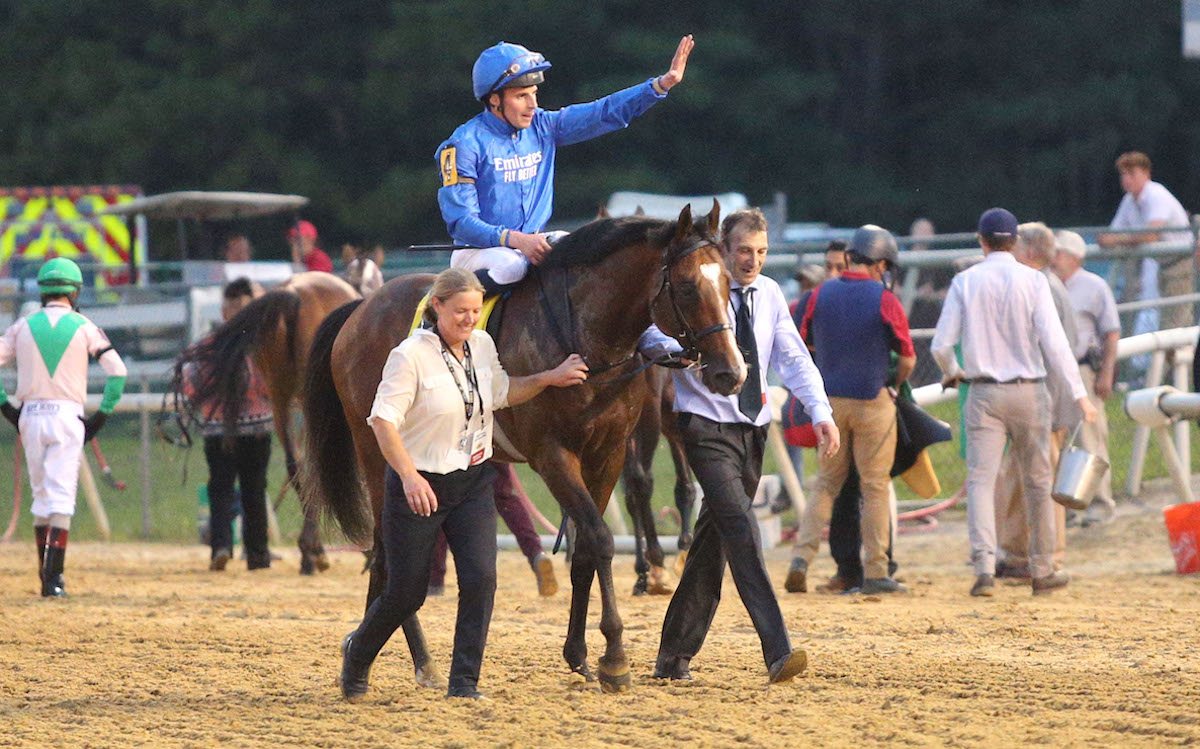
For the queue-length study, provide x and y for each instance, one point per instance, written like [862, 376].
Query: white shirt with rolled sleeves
[779, 346]
[69, 382]
[417, 394]
[1095, 309]
[1003, 314]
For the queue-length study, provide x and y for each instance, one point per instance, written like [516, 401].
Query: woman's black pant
[246, 464]
[466, 513]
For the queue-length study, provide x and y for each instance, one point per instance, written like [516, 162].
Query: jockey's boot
[491, 287]
[52, 565]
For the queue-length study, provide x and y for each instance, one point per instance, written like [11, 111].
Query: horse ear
[714, 218]
[603, 212]
[640, 211]
[684, 227]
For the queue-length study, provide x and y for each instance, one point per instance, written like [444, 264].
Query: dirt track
[150, 649]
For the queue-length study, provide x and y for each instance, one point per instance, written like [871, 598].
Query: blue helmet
[504, 65]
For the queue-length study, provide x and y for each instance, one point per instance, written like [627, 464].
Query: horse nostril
[725, 381]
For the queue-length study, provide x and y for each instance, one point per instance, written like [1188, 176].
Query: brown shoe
[834, 584]
[788, 667]
[1050, 583]
[543, 569]
[797, 577]
[1012, 570]
[984, 586]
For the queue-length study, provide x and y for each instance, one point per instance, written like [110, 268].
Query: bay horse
[637, 479]
[276, 331]
[613, 277]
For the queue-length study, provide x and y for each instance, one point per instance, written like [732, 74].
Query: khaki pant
[996, 414]
[1177, 278]
[1012, 525]
[868, 431]
[1094, 437]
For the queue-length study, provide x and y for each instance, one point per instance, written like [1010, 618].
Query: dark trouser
[468, 516]
[508, 495]
[247, 465]
[845, 535]
[727, 460]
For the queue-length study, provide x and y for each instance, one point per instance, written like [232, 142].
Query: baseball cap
[1070, 243]
[306, 230]
[997, 222]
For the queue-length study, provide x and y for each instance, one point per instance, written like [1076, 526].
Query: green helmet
[59, 276]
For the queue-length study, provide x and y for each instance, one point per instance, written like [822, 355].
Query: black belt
[1014, 381]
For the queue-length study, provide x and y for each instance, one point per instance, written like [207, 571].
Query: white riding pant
[52, 435]
[504, 264]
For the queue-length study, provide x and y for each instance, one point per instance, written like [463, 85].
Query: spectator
[1095, 349]
[921, 228]
[302, 238]
[244, 458]
[237, 249]
[361, 271]
[1003, 315]
[1036, 248]
[1148, 204]
[932, 282]
[857, 307]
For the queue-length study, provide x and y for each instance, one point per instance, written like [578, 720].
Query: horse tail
[220, 378]
[330, 481]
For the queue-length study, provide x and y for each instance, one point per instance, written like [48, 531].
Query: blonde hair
[448, 283]
[1039, 239]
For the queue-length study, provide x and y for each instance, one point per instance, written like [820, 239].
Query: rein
[690, 338]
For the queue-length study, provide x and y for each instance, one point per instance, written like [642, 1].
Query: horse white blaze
[712, 272]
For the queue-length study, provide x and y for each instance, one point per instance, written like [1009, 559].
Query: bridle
[688, 337]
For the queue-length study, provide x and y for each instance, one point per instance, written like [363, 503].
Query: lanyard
[467, 393]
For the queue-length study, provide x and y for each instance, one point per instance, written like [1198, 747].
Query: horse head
[691, 303]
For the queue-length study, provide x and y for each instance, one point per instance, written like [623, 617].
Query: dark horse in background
[276, 331]
[637, 478]
[604, 284]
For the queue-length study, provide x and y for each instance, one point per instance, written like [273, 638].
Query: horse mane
[595, 241]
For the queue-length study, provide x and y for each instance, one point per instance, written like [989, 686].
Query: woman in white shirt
[433, 419]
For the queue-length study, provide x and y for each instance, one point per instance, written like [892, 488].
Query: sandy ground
[153, 649]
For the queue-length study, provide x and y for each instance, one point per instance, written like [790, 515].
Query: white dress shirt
[779, 346]
[419, 396]
[1153, 204]
[1003, 314]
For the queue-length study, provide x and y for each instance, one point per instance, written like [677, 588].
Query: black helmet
[874, 243]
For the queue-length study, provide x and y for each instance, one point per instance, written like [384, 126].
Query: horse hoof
[322, 562]
[306, 565]
[616, 680]
[584, 671]
[640, 587]
[680, 561]
[658, 582]
[429, 677]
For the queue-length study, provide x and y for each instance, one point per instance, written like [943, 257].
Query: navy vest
[851, 339]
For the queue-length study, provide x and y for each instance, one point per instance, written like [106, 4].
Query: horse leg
[593, 557]
[634, 480]
[685, 499]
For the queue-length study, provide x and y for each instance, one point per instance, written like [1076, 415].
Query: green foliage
[857, 110]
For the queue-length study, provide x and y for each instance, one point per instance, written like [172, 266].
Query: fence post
[1141, 434]
[1182, 381]
[144, 415]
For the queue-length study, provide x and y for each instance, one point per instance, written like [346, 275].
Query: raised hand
[678, 63]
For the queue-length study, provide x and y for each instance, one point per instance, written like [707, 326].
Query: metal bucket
[1078, 477]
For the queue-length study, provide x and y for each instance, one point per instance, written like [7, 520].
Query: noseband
[689, 338]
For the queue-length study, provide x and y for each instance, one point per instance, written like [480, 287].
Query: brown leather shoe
[834, 584]
[543, 569]
[984, 586]
[797, 577]
[1012, 570]
[1050, 583]
[788, 667]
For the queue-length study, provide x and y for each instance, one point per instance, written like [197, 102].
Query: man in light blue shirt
[724, 437]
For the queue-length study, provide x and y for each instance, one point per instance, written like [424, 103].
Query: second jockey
[497, 169]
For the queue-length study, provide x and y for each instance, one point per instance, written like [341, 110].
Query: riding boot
[40, 532]
[52, 565]
[355, 674]
[491, 287]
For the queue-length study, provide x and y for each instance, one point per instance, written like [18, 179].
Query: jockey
[497, 169]
[51, 349]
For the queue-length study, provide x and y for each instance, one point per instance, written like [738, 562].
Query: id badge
[478, 446]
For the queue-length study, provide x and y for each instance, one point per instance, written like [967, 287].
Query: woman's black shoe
[354, 676]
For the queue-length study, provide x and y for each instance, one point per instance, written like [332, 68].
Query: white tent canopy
[209, 206]
[669, 206]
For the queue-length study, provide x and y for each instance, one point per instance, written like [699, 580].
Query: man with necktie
[724, 437]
